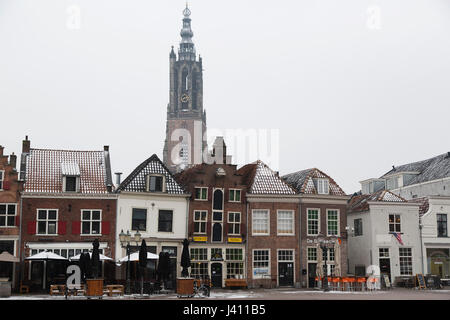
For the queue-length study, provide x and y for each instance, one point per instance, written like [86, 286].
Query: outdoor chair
[24, 288]
[336, 283]
[361, 284]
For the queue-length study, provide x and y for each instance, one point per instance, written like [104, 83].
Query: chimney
[105, 148]
[26, 145]
[1, 150]
[13, 160]
[118, 174]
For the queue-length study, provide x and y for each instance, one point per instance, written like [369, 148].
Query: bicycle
[203, 290]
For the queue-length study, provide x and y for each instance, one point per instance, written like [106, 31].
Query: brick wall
[272, 242]
[69, 217]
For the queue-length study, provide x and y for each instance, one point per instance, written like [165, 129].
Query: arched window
[218, 200]
[217, 232]
[184, 78]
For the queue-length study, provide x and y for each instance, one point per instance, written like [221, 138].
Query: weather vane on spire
[186, 11]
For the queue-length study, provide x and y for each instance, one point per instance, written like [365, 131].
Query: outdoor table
[114, 288]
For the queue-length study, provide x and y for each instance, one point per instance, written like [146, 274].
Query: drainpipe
[20, 253]
[421, 243]
[246, 245]
[300, 245]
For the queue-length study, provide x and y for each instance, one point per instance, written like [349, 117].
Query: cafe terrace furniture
[114, 289]
[229, 283]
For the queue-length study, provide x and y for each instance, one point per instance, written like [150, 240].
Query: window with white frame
[313, 222]
[155, 183]
[261, 263]
[333, 222]
[260, 222]
[394, 223]
[7, 214]
[312, 254]
[323, 186]
[285, 255]
[199, 254]
[201, 193]
[199, 270]
[200, 219]
[47, 221]
[91, 222]
[2, 177]
[234, 223]
[330, 254]
[235, 270]
[235, 195]
[234, 254]
[285, 222]
[383, 252]
[71, 183]
[405, 257]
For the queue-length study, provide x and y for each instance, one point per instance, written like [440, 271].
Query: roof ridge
[42, 149]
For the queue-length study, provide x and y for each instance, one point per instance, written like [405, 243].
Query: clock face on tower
[185, 98]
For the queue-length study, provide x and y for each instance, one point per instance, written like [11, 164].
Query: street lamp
[125, 239]
[323, 243]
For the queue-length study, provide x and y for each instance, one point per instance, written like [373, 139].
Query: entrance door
[286, 274]
[311, 275]
[385, 267]
[216, 275]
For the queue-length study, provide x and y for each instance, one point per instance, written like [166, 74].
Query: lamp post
[125, 239]
[323, 243]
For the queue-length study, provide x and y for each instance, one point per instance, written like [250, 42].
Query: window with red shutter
[61, 227]
[105, 227]
[31, 227]
[76, 227]
[17, 221]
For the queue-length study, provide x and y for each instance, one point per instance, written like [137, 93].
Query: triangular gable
[136, 181]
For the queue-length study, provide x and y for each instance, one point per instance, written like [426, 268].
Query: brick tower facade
[186, 120]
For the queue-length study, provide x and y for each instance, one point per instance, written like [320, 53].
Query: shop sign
[200, 239]
[236, 240]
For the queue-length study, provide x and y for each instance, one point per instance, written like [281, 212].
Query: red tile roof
[303, 181]
[44, 170]
[360, 202]
[263, 180]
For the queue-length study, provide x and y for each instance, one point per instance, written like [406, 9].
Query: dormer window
[71, 184]
[323, 186]
[71, 176]
[155, 183]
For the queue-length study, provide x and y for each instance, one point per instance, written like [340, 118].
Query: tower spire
[187, 49]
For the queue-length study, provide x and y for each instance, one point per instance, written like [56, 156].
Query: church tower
[186, 119]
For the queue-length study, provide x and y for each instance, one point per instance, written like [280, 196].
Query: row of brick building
[246, 224]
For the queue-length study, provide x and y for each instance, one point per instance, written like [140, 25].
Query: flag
[398, 237]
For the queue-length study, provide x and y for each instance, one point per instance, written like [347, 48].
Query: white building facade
[152, 204]
[376, 221]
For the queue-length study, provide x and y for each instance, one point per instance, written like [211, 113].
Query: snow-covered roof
[427, 170]
[360, 202]
[45, 169]
[263, 180]
[137, 180]
[303, 181]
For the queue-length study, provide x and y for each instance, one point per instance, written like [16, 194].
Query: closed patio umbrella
[142, 263]
[185, 259]
[95, 258]
[5, 256]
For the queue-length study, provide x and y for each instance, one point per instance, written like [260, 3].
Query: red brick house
[67, 202]
[273, 236]
[9, 215]
[216, 221]
[323, 206]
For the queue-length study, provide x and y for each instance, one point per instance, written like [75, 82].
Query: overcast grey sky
[354, 86]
